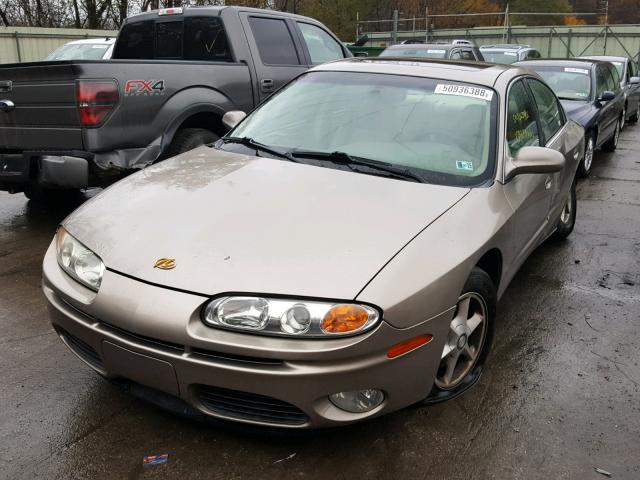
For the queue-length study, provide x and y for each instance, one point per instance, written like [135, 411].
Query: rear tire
[611, 144]
[584, 169]
[39, 194]
[567, 219]
[478, 298]
[636, 116]
[189, 138]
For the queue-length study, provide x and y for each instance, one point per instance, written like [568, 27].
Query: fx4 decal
[144, 87]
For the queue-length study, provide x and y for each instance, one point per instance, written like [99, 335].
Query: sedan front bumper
[154, 336]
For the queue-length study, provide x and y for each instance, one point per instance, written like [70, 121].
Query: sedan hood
[579, 112]
[237, 223]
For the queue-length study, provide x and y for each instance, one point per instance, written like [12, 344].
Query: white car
[88, 49]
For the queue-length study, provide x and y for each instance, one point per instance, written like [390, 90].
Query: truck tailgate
[45, 114]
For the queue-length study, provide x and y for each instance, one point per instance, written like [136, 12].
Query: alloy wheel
[588, 154]
[467, 333]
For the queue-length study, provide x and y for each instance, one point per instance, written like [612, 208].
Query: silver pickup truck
[68, 125]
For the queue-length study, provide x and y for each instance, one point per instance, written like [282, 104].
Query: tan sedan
[337, 256]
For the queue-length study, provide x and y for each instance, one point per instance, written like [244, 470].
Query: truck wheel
[189, 138]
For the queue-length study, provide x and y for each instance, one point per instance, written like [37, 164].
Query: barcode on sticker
[465, 91]
[576, 70]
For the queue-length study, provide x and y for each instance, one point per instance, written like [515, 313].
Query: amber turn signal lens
[405, 347]
[344, 318]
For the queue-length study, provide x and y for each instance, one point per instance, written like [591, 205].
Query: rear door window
[274, 40]
[322, 46]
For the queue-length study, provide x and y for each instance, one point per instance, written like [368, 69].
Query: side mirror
[607, 96]
[233, 118]
[534, 160]
[634, 81]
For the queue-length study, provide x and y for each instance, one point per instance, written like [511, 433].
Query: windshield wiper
[251, 143]
[346, 159]
[572, 98]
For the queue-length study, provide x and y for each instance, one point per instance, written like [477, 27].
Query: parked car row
[601, 93]
[593, 94]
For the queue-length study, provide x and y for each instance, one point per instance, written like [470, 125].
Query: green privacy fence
[560, 41]
[29, 44]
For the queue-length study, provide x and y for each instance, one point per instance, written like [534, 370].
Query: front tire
[469, 339]
[567, 219]
[584, 169]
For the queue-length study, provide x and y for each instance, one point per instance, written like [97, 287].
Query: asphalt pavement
[559, 398]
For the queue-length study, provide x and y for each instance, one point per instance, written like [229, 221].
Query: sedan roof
[565, 62]
[458, 71]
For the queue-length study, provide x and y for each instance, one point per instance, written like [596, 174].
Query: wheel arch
[491, 262]
[197, 116]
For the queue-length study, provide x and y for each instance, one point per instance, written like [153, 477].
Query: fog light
[357, 401]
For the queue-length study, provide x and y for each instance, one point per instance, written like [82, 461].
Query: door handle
[5, 86]
[547, 183]
[267, 85]
[6, 106]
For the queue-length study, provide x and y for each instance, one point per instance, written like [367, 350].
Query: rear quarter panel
[143, 116]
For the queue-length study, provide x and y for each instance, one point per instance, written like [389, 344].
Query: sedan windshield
[80, 51]
[500, 57]
[418, 52]
[568, 83]
[439, 130]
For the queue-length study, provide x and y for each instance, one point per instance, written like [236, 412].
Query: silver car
[337, 256]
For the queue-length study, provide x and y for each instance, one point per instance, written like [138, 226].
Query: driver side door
[529, 195]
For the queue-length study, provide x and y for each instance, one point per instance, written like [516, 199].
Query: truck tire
[189, 138]
[37, 193]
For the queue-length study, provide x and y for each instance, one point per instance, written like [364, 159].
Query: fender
[185, 103]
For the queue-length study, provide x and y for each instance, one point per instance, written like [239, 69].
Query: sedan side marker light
[409, 345]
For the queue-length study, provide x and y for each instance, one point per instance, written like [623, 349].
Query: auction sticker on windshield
[436, 51]
[576, 70]
[465, 91]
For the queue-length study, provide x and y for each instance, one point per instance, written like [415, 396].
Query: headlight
[78, 261]
[273, 316]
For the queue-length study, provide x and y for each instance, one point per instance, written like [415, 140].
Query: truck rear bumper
[63, 171]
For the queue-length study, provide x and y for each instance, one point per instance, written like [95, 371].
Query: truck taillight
[96, 100]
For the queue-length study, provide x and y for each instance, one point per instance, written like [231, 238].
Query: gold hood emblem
[165, 263]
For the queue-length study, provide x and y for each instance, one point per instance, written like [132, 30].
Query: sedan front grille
[83, 350]
[249, 406]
